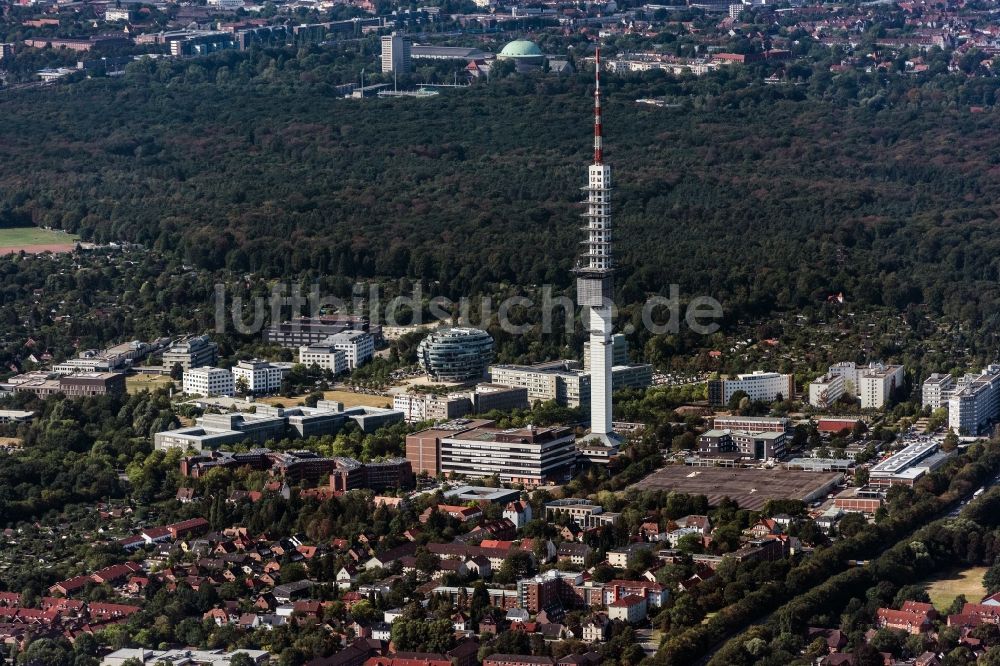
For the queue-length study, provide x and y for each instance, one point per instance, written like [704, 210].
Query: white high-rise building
[760, 386]
[594, 281]
[849, 371]
[208, 381]
[876, 384]
[825, 390]
[936, 390]
[396, 51]
[974, 404]
[341, 352]
[260, 376]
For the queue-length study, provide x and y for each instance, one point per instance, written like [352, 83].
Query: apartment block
[847, 370]
[826, 390]
[561, 381]
[974, 404]
[936, 390]
[877, 383]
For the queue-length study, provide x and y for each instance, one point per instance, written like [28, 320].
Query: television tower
[594, 289]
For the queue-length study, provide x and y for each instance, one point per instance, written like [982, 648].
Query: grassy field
[139, 383]
[349, 398]
[944, 588]
[20, 236]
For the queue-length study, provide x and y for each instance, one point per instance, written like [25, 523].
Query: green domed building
[523, 52]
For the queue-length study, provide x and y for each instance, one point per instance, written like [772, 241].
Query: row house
[913, 619]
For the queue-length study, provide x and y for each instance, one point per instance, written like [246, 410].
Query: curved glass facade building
[456, 354]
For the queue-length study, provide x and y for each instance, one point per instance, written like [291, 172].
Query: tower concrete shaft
[594, 276]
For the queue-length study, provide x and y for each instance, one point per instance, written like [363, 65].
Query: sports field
[943, 588]
[34, 240]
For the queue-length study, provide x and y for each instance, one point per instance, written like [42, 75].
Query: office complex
[310, 330]
[260, 376]
[341, 352]
[214, 430]
[484, 398]
[430, 407]
[455, 354]
[191, 352]
[72, 386]
[487, 397]
[273, 423]
[759, 386]
[754, 423]
[876, 384]
[564, 381]
[323, 355]
[530, 456]
[208, 381]
[754, 437]
[594, 278]
[826, 390]
[423, 448]
[757, 445]
[396, 54]
[559, 381]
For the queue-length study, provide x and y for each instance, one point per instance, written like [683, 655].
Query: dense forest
[763, 196]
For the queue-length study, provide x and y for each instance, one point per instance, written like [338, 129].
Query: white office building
[260, 376]
[324, 355]
[341, 352]
[191, 352]
[358, 347]
[826, 390]
[759, 386]
[396, 54]
[876, 384]
[208, 381]
[937, 390]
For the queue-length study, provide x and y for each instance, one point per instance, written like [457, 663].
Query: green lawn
[943, 588]
[139, 383]
[33, 236]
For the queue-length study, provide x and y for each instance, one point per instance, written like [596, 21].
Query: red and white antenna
[598, 149]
